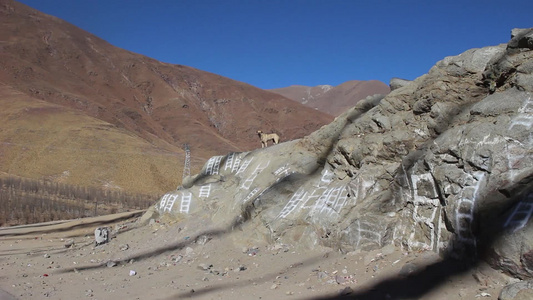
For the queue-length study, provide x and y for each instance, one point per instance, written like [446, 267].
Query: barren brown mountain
[77, 109]
[333, 100]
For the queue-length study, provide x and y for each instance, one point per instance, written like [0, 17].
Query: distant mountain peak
[330, 99]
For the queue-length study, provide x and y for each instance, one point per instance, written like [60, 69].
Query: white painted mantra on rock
[327, 176]
[433, 205]
[244, 165]
[525, 115]
[250, 195]
[233, 162]
[364, 232]
[330, 201]
[284, 170]
[248, 182]
[464, 213]
[213, 165]
[521, 214]
[519, 153]
[205, 191]
[167, 202]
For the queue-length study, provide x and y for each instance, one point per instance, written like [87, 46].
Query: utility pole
[187, 165]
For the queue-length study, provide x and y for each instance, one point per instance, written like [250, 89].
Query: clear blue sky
[277, 43]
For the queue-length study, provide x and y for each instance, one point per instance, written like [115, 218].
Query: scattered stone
[408, 269]
[69, 243]
[274, 286]
[124, 247]
[189, 251]
[340, 279]
[253, 251]
[322, 275]
[133, 273]
[204, 267]
[346, 291]
[239, 268]
[202, 240]
[101, 235]
[484, 294]
[47, 255]
[111, 264]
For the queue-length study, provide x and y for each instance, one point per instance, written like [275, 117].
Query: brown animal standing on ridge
[265, 137]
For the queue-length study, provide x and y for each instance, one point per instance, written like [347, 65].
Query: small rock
[111, 264]
[204, 267]
[69, 243]
[346, 291]
[47, 255]
[340, 279]
[322, 275]
[483, 295]
[189, 251]
[133, 273]
[124, 247]
[274, 286]
[408, 269]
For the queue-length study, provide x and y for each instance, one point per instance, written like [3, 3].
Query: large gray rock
[444, 163]
[517, 291]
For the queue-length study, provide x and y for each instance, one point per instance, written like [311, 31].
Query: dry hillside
[79, 110]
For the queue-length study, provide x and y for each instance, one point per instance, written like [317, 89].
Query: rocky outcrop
[396, 83]
[444, 164]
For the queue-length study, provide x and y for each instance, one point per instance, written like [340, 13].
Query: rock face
[396, 83]
[444, 164]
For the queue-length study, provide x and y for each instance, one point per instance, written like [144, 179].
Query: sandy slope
[170, 263]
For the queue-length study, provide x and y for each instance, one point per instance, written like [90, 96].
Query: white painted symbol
[365, 232]
[213, 165]
[163, 202]
[244, 165]
[170, 203]
[524, 116]
[248, 182]
[284, 170]
[335, 200]
[327, 176]
[236, 164]
[418, 219]
[464, 214]
[250, 195]
[205, 191]
[185, 203]
[296, 199]
[229, 161]
[331, 201]
[315, 195]
[521, 214]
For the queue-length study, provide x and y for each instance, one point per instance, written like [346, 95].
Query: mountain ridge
[333, 99]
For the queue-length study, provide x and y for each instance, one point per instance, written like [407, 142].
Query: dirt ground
[161, 261]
